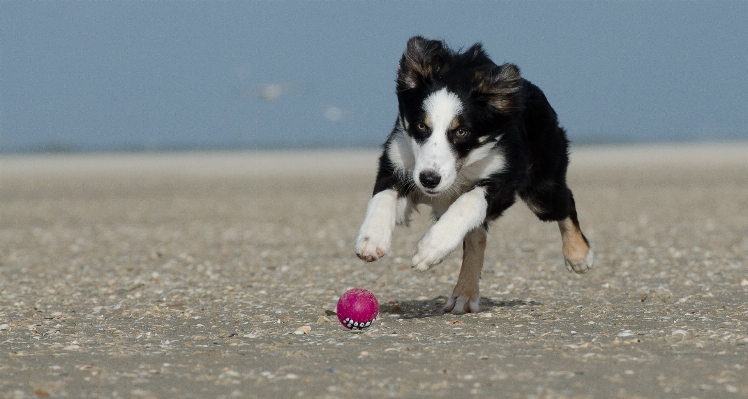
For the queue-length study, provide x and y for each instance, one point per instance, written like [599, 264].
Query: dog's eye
[461, 133]
[421, 126]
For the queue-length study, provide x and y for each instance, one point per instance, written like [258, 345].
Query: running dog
[469, 137]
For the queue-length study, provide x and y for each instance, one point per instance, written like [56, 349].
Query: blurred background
[172, 75]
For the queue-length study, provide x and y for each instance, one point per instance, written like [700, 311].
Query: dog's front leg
[466, 295]
[465, 214]
[375, 235]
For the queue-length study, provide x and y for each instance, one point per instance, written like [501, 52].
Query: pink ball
[357, 309]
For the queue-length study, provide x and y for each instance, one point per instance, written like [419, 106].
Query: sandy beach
[191, 275]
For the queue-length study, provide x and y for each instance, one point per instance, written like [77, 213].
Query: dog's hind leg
[466, 294]
[577, 251]
[553, 201]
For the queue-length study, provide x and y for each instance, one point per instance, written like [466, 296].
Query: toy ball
[357, 309]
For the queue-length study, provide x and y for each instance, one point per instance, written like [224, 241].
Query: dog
[469, 137]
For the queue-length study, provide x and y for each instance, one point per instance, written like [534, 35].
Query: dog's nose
[429, 178]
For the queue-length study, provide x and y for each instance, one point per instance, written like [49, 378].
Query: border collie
[470, 135]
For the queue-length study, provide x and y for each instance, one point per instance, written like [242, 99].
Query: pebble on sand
[303, 330]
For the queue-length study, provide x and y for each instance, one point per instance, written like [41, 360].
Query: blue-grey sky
[254, 74]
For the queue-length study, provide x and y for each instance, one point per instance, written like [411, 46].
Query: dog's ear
[421, 58]
[500, 86]
[476, 51]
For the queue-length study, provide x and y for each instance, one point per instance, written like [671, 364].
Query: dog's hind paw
[580, 266]
[462, 305]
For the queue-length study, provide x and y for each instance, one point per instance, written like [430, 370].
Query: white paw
[462, 304]
[432, 249]
[580, 266]
[373, 243]
[375, 235]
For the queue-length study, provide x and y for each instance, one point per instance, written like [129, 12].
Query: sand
[195, 275]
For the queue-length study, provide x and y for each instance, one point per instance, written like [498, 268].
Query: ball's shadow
[419, 309]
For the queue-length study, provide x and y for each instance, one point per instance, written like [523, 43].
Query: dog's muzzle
[429, 179]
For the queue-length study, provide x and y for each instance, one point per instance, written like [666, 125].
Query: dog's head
[453, 107]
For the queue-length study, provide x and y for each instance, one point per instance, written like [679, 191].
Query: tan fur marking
[575, 248]
[503, 86]
[418, 61]
[427, 120]
[455, 124]
[466, 294]
[415, 68]
[417, 65]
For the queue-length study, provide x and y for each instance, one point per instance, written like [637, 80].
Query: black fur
[497, 102]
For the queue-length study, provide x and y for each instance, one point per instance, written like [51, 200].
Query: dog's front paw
[375, 235]
[373, 244]
[432, 249]
[461, 304]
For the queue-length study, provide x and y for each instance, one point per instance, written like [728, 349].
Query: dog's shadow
[419, 309]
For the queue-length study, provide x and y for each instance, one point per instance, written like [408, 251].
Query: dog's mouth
[430, 192]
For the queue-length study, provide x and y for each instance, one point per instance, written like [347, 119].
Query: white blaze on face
[436, 154]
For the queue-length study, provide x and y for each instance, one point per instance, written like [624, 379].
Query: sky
[194, 75]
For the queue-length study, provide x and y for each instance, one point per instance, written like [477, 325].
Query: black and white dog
[469, 136]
